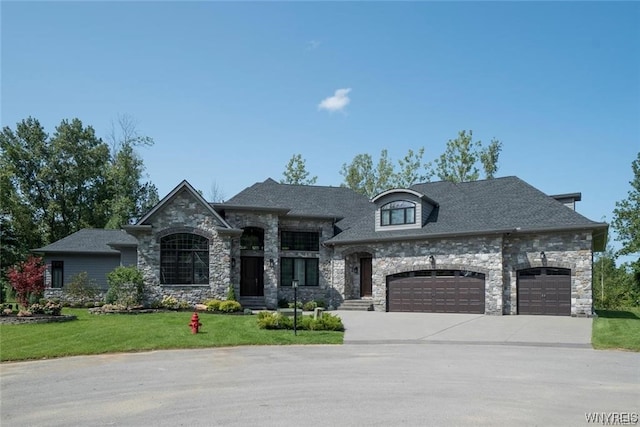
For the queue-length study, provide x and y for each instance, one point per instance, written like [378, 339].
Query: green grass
[97, 334]
[617, 329]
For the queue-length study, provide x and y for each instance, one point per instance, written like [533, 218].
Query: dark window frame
[311, 274]
[184, 259]
[405, 209]
[252, 238]
[293, 240]
[55, 267]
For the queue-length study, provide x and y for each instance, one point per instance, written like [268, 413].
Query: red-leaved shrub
[27, 278]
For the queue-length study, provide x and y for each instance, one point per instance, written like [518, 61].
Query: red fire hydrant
[195, 323]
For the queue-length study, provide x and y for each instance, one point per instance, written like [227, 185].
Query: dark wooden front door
[365, 277]
[252, 276]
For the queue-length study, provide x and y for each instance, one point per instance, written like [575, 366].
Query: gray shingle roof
[90, 240]
[304, 200]
[479, 207]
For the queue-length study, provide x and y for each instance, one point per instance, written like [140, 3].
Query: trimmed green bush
[283, 303]
[327, 322]
[309, 305]
[213, 304]
[267, 320]
[126, 286]
[230, 306]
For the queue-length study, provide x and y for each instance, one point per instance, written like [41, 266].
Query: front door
[365, 277]
[251, 276]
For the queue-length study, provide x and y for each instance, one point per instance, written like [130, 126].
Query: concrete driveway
[370, 327]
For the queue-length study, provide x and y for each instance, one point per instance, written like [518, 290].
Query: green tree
[296, 172]
[459, 162]
[626, 215]
[127, 197]
[361, 176]
[52, 186]
[53, 182]
[410, 170]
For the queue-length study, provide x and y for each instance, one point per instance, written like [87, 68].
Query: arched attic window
[398, 212]
[184, 259]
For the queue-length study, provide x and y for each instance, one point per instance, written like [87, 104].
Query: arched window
[398, 213]
[184, 259]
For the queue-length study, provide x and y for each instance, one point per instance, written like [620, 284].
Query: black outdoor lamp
[294, 285]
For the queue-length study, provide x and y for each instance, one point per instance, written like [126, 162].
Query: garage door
[544, 291]
[436, 291]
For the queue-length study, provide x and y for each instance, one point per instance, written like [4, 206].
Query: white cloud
[337, 102]
[313, 44]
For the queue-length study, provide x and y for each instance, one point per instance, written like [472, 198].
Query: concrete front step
[255, 303]
[357, 305]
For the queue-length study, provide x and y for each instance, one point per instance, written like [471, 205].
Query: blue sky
[230, 91]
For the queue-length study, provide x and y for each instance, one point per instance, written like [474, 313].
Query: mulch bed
[13, 319]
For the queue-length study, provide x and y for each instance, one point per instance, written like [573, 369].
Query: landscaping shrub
[213, 304]
[320, 303]
[230, 306]
[267, 320]
[172, 303]
[27, 279]
[309, 305]
[231, 294]
[283, 303]
[82, 288]
[126, 287]
[327, 322]
[50, 307]
[292, 305]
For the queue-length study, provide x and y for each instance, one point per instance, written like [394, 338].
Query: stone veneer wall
[479, 254]
[269, 223]
[272, 224]
[565, 250]
[184, 214]
[498, 257]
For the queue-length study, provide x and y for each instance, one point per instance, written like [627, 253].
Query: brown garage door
[436, 291]
[544, 291]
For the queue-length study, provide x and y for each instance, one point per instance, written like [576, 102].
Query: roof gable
[183, 186]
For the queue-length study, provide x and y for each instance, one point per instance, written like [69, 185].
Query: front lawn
[96, 334]
[617, 329]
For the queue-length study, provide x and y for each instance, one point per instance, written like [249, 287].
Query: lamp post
[294, 285]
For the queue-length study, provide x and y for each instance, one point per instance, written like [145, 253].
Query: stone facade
[185, 214]
[564, 250]
[271, 223]
[497, 257]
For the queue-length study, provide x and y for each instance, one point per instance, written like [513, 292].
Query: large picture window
[184, 259]
[300, 241]
[304, 270]
[398, 213]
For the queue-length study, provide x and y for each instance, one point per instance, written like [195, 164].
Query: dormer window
[398, 212]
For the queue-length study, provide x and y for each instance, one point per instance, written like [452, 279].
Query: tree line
[462, 160]
[54, 185]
